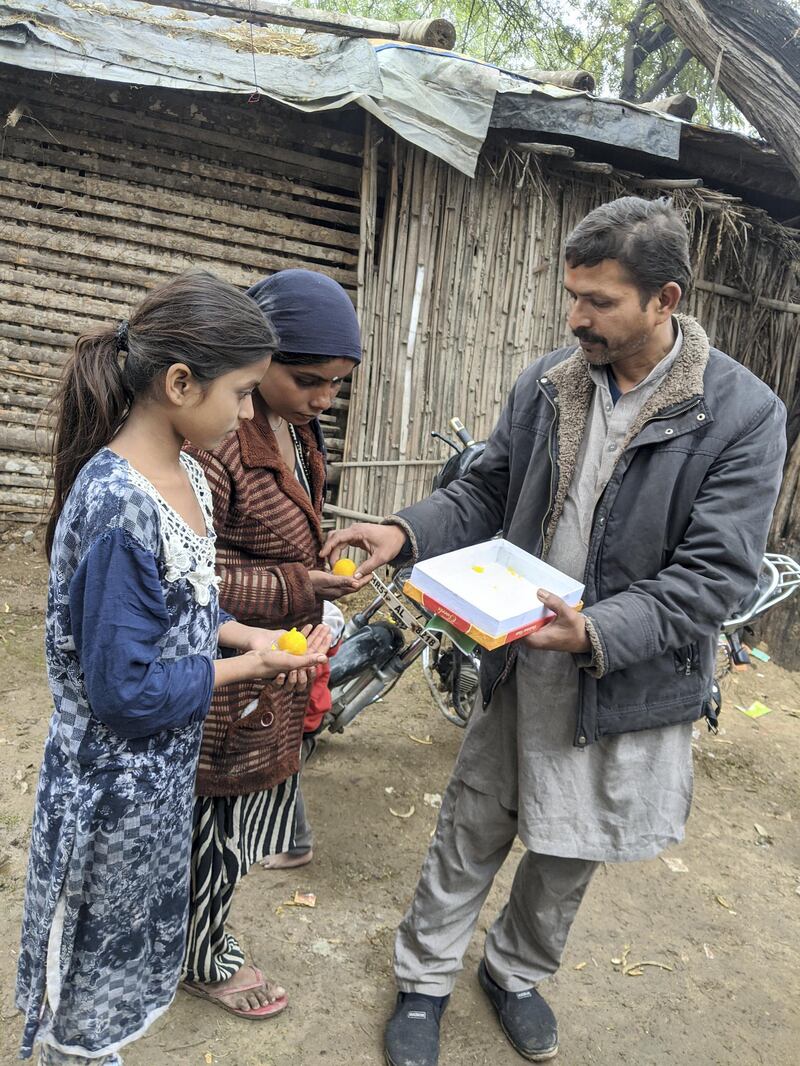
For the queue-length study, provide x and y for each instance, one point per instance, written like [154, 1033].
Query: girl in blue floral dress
[132, 634]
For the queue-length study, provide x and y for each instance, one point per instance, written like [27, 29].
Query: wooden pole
[536, 148]
[435, 33]
[23, 439]
[745, 297]
[582, 80]
[346, 512]
[681, 105]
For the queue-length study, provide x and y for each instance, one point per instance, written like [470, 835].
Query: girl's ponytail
[196, 319]
[92, 404]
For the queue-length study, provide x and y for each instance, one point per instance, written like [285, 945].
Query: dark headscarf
[312, 314]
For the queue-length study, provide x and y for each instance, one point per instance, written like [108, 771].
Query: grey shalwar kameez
[625, 797]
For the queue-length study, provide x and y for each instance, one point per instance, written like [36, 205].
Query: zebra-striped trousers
[229, 834]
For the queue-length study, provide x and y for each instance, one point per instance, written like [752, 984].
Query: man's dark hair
[648, 238]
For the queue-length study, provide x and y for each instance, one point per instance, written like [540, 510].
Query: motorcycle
[778, 579]
[374, 655]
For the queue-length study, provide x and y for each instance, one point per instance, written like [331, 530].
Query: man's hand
[566, 632]
[382, 544]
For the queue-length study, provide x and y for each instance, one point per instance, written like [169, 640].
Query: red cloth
[319, 700]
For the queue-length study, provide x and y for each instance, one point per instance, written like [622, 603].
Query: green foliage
[564, 34]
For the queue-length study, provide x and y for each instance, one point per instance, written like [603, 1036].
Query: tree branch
[629, 67]
[666, 79]
[656, 37]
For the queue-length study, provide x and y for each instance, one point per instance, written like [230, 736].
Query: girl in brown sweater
[268, 484]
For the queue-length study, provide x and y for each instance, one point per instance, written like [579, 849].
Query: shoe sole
[531, 1056]
[388, 1058]
[538, 1056]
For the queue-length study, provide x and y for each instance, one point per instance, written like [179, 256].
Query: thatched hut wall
[108, 189]
[105, 190]
[464, 289]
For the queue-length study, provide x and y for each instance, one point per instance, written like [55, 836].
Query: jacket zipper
[580, 732]
[673, 414]
[655, 418]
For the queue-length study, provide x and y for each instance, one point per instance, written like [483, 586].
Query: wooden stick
[435, 33]
[352, 464]
[545, 149]
[345, 512]
[20, 481]
[25, 511]
[670, 183]
[591, 168]
[745, 297]
[581, 80]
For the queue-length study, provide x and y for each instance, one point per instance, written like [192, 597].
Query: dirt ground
[726, 931]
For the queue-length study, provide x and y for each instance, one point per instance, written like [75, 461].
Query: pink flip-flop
[268, 1010]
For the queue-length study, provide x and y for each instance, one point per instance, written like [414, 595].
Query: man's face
[606, 313]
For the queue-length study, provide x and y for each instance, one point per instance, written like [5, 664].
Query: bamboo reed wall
[463, 289]
[108, 189]
[105, 190]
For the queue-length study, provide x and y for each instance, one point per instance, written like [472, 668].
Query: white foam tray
[502, 598]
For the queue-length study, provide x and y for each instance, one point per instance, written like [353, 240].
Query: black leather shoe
[412, 1034]
[525, 1017]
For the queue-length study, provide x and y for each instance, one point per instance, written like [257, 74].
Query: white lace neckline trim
[187, 554]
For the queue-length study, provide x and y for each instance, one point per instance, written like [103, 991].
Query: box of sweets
[488, 591]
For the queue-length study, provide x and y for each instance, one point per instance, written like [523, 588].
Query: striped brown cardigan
[268, 537]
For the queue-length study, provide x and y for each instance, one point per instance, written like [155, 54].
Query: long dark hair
[195, 319]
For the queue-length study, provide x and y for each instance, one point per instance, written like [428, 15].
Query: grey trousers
[525, 944]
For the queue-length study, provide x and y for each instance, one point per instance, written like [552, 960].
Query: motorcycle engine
[459, 677]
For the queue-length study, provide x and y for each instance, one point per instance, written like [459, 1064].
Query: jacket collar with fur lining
[572, 388]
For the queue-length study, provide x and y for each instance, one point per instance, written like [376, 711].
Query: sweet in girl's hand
[294, 642]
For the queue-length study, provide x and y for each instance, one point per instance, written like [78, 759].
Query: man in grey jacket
[645, 464]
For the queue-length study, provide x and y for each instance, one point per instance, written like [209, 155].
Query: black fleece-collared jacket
[677, 535]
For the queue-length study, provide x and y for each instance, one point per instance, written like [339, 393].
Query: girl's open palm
[269, 664]
[319, 640]
[292, 671]
[264, 661]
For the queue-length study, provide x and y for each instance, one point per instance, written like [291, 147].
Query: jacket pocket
[257, 728]
[686, 660]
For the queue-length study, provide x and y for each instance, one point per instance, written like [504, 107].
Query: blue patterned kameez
[131, 632]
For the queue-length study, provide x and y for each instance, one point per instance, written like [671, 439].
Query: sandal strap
[259, 982]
